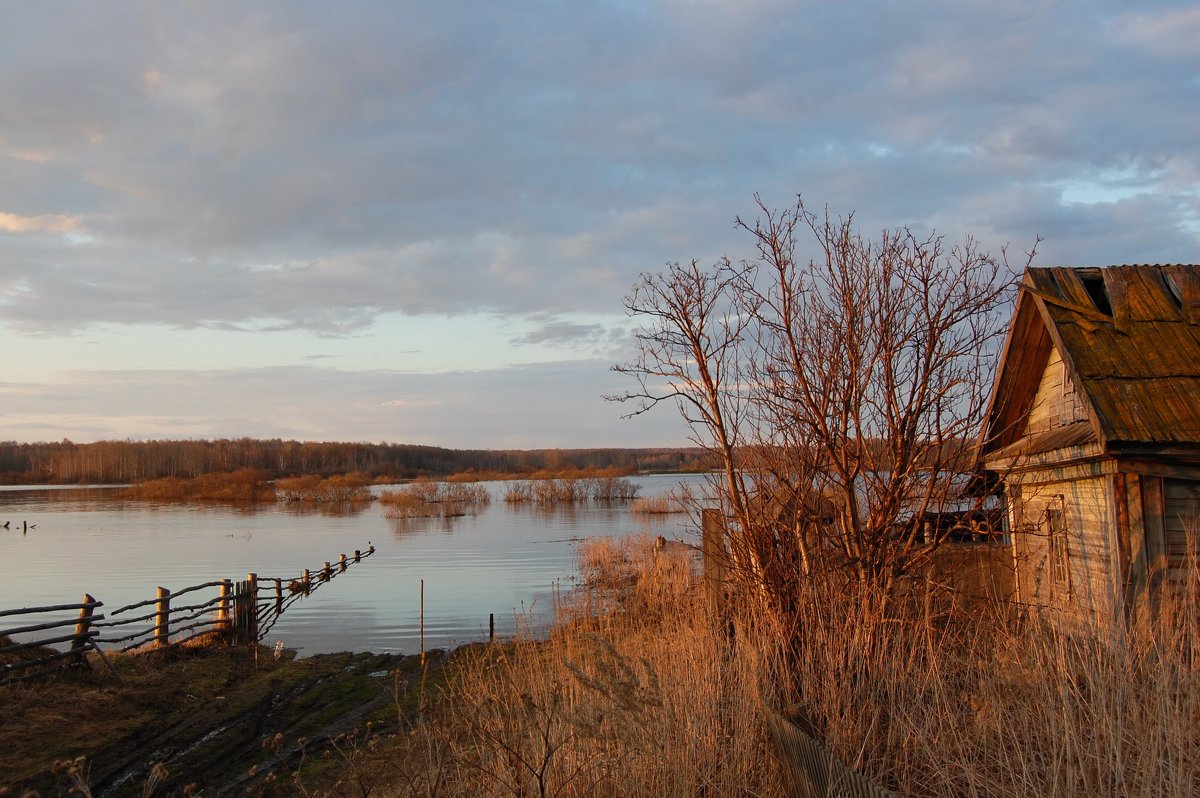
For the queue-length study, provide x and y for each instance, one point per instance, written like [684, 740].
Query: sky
[416, 222]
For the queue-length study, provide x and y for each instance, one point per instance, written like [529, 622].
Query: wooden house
[1093, 432]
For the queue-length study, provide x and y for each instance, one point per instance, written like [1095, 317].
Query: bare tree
[840, 391]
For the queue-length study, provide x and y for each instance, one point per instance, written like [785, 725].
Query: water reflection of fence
[235, 612]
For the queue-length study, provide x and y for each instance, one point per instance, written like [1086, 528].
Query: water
[507, 560]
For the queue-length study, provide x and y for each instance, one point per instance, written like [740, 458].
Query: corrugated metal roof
[1059, 438]
[1130, 339]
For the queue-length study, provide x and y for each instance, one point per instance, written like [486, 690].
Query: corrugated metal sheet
[1058, 438]
[1126, 337]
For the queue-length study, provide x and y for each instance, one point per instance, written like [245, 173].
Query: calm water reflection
[506, 560]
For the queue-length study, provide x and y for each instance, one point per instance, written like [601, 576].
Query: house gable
[1036, 408]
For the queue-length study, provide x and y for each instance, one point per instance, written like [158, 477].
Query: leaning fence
[809, 769]
[227, 610]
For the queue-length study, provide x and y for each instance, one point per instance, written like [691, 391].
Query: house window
[1055, 528]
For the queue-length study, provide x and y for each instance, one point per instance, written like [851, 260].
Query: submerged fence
[236, 612]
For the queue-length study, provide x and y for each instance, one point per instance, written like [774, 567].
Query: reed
[658, 505]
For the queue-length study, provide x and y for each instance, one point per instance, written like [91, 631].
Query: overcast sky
[416, 222]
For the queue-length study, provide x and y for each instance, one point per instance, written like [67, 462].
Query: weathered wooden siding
[1056, 403]
[1086, 524]
[1181, 524]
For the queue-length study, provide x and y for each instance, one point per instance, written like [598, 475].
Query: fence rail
[239, 612]
[20, 661]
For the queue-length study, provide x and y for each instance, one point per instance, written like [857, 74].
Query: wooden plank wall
[1056, 403]
[1088, 518]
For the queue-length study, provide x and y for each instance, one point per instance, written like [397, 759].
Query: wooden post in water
[491, 627]
[79, 644]
[326, 572]
[278, 596]
[357, 555]
[422, 623]
[162, 618]
[307, 581]
[341, 562]
[222, 623]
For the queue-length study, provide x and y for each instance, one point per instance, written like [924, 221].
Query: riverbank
[629, 690]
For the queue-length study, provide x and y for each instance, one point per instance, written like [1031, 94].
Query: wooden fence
[810, 770]
[236, 612]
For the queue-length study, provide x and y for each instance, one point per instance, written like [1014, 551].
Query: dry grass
[632, 694]
[958, 700]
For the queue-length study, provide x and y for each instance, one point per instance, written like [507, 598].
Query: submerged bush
[245, 484]
[434, 500]
[350, 487]
[571, 490]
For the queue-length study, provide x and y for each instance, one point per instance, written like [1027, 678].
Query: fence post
[325, 572]
[341, 562]
[278, 596]
[252, 617]
[713, 545]
[79, 644]
[491, 627]
[307, 581]
[162, 618]
[223, 606]
[357, 555]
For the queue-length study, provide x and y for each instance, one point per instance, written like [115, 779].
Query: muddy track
[223, 722]
[215, 745]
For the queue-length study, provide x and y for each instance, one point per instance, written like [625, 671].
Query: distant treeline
[110, 462]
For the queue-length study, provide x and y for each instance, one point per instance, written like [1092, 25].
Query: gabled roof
[1129, 337]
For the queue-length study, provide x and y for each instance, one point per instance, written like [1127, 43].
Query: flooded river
[506, 560]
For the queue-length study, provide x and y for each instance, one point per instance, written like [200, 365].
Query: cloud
[320, 168]
[46, 223]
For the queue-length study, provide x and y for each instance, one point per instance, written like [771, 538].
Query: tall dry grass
[945, 698]
[633, 693]
[637, 693]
